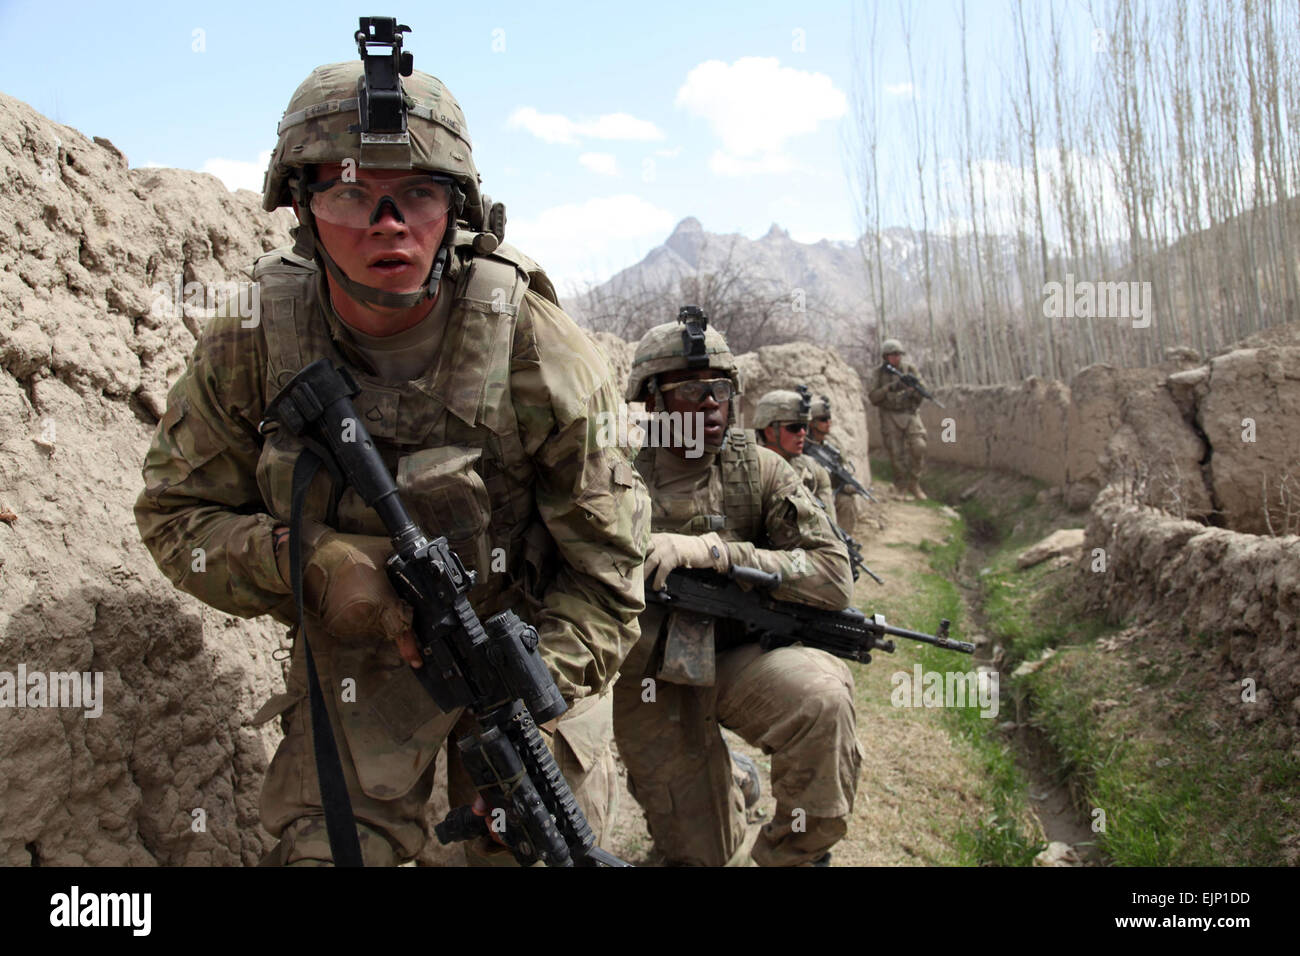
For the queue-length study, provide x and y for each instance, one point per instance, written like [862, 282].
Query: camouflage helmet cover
[890, 346]
[821, 407]
[662, 349]
[322, 125]
[781, 405]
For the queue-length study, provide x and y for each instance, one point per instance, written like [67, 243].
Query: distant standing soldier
[901, 428]
[781, 422]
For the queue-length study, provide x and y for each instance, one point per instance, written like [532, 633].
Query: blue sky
[600, 125]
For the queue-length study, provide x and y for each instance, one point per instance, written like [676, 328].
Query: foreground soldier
[781, 423]
[482, 396]
[735, 505]
[901, 428]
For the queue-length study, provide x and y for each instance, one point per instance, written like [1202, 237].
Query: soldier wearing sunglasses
[689, 675]
[781, 422]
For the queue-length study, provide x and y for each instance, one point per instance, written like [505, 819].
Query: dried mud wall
[1216, 440]
[85, 362]
[1242, 591]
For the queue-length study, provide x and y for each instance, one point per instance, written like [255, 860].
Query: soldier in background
[689, 675]
[849, 503]
[901, 428]
[483, 398]
[781, 424]
[819, 420]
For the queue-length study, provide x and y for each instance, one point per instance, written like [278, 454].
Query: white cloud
[669, 153]
[725, 164]
[591, 240]
[238, 174]
[558, 128]
[754, 106]
[603, 163]
[900, 89]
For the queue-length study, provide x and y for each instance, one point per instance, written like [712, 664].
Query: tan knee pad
[305, 842]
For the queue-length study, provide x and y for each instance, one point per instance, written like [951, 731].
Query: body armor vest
[450, 437]
[742, 500]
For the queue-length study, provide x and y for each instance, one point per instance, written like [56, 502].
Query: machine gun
[849, 634]
[491, 668]
[912, 382]
[832, 459]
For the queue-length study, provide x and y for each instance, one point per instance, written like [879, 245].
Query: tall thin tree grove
[1146, 142]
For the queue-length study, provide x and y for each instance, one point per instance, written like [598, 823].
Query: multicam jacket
[495, 447]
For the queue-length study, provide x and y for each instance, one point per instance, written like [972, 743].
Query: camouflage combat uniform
[783, 405]
[901, 428]
[816, 479]
[796, 703]
[494, 446]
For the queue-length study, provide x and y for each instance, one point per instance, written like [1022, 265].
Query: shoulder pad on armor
[532, 274]
[281, 261]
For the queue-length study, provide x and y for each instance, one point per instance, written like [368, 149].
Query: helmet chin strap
[381, 297]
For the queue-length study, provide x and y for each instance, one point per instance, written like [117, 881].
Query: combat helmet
[821, 407]
[890, 346]
[782, 405]
[684, 344]
[377, 113]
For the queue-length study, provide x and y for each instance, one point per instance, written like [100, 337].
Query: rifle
[491, 668]
[855, 553]
[849, 634]
[912, 382]
[832, 459]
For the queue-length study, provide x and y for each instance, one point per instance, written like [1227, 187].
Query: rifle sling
[340, 822]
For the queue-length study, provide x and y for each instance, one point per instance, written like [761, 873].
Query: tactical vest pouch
[447, 498]
[689, 650]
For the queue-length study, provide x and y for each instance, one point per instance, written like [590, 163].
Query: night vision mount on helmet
[688, 343]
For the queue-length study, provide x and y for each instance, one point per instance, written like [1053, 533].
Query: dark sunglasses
[795, 428]
[694, 391]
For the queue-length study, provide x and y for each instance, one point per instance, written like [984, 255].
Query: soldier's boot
[745, 772]
[916, 490]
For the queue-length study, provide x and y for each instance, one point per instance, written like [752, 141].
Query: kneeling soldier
[741, 505]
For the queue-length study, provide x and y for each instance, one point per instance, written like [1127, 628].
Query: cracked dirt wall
[1239, 590]
[84, 371]
[1217, 440]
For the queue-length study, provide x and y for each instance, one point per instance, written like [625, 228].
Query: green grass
[1031, 610]
[1174, 793]
[1005, 835]
[1182, 779]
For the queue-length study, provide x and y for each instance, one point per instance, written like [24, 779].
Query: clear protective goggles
[416, 200]
[694, 390]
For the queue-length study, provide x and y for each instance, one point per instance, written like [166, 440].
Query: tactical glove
[344, 584]
[669, 551]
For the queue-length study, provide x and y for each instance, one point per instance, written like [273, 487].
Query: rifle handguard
[754, 578]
